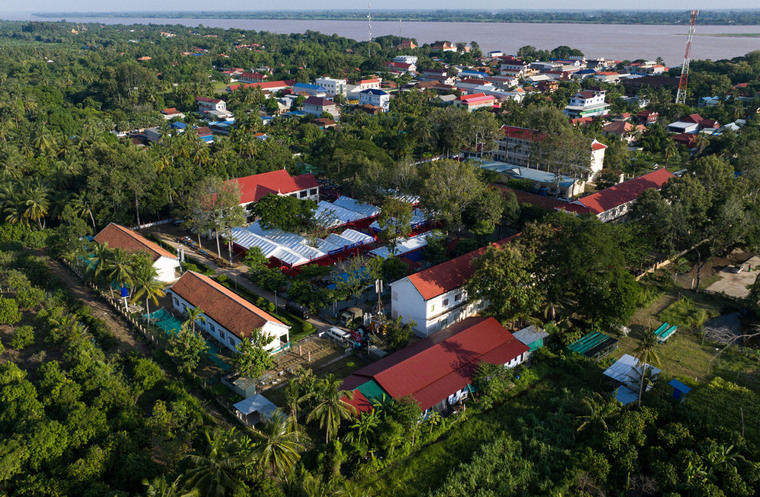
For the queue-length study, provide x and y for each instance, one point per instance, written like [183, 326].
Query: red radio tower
[681, 95]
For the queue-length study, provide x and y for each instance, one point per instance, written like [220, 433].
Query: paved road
[736, 284]
[238, 275]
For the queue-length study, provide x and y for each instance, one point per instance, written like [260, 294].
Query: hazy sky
[186, 5]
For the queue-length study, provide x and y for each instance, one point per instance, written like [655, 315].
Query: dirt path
[127, 341]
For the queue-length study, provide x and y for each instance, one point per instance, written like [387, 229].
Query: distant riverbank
[646, 17]
[613, 41]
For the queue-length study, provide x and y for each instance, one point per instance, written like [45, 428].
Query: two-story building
[514, 67]
[587, 103]
[213, 108]
[517, 146]
[400, 68]
[119, 237]
[332, 86]
[405, 59]
[376, 98]
[317, 106]
[227, 316]
[435, 297]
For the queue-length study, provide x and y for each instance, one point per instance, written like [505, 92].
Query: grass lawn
[684, 355]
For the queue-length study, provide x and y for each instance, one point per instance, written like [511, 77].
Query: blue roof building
[306, 88]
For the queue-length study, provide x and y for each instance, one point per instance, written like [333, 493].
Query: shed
[627, 371]
[595, 345]
[679, 389]
[253, 409]
[532, 336]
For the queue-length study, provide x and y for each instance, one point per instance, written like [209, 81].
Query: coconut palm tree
[646, 352]
[276, 447]
[82, 207]
[119, 269]
[363, 429]
[331, 409]
[159, 487]
[599, 410]
[98, 261]
[145, 283]
[193, 315]
[35, 199]
[214, 474]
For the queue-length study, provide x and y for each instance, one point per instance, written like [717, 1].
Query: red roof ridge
[446, 276]
[624, 192]
[111, 234]
[235, 321]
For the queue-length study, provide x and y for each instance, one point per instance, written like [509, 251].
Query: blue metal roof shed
[679, 389]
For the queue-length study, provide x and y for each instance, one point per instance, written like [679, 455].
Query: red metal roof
[117, 236]
[221, 304]
[444, 363]
[447, 276]
[624, 192]
[522, 133]
[254, 188]
[360, 402]
[319, 101]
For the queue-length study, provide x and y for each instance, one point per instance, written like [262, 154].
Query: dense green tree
[252, 359]
[330, 409]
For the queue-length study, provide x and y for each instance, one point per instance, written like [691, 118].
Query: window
[458, 297]
[211, 327]
[432, 307]
[313, 191]
[302, 194]
[395, 295]
[232, 341]
[445, 302]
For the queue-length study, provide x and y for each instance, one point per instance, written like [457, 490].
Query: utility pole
[683, 82]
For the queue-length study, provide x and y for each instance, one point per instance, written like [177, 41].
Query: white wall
[166, 267]
[225, 336]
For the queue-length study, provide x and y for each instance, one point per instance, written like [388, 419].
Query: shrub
[9, 313]
[309, 328]
[222, 278]
[270, 307]
[23, 336]
[30, 297]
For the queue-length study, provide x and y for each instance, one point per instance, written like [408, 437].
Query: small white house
[229, 318]
[117, 236]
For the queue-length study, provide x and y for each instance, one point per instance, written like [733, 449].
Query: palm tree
[67, 328]
[293, 400]
[193, 315]
[434, 419]
[701, 141]
[82, 207]
[97, 261]
[671, 150]
[214, 474]
[363, 429]
[159, 487]
[119, 267]
[646, 352]
[599, 411]
[145, 283]
[36, 202]
[276, 447]
[331, 409]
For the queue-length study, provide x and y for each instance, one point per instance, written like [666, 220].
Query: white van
[337, 334]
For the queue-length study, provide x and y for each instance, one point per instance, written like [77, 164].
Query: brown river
[595, 40]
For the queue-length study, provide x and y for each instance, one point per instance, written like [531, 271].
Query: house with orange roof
[227, 316]
[435, 297]
[119, 237]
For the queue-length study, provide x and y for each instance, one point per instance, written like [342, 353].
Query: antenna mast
[369, 28]
[684, 81]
